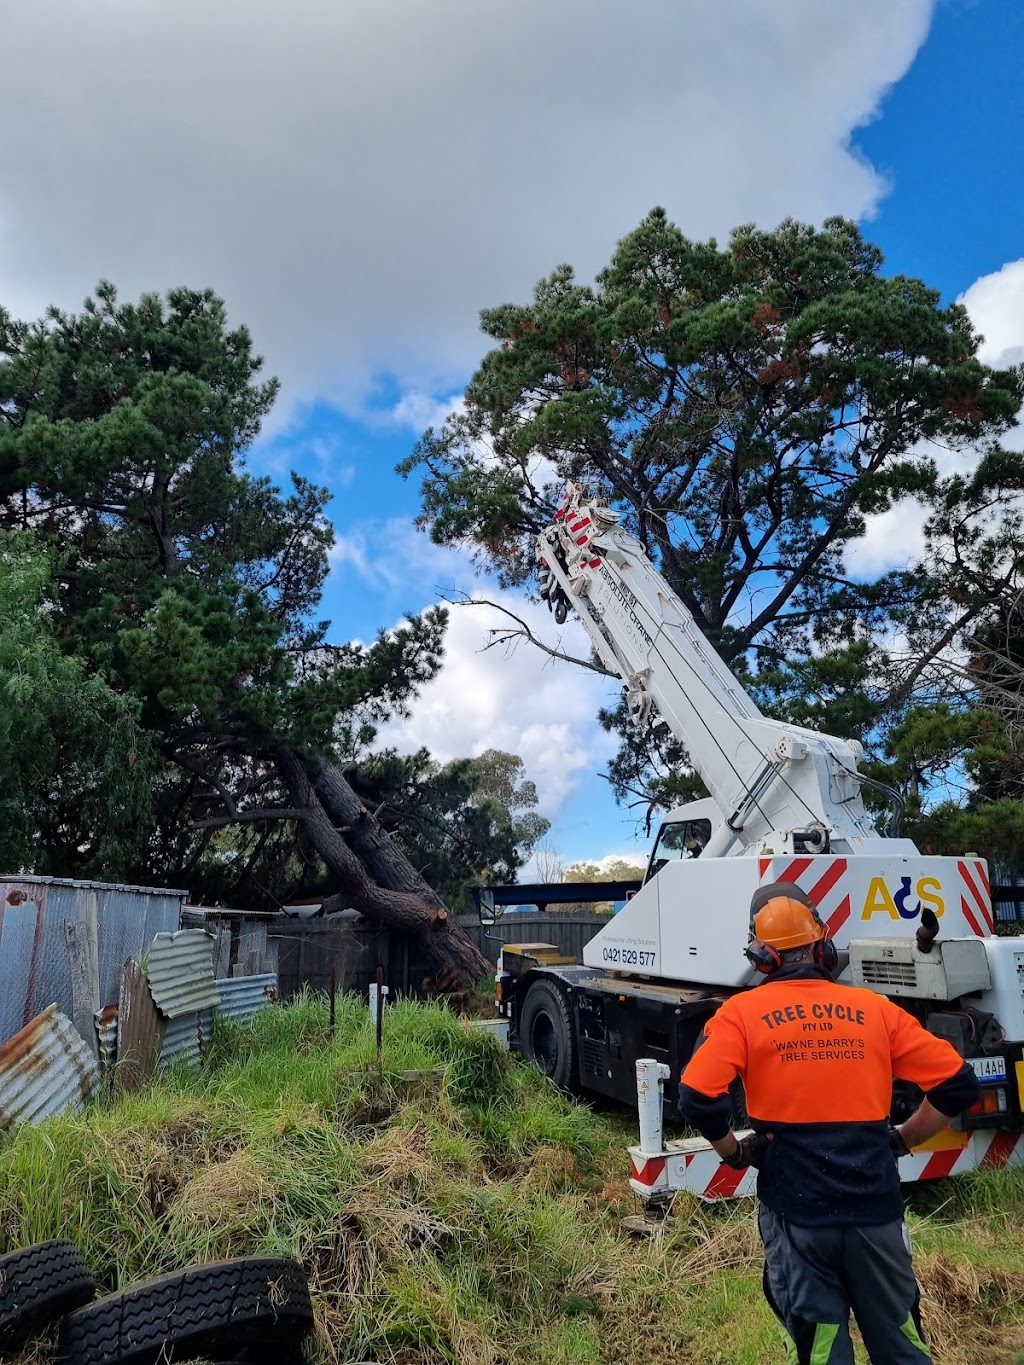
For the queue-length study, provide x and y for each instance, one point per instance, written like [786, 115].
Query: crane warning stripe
[839, 916]
[969, 917]
[821, 888]
[762, 867]
[725, 1182]
[794, 871]
[940, 1164]
[979, 899]
[979, 867]
[1000, 1150]
[650, 1172]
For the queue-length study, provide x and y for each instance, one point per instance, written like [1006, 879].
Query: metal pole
[650, 1077]
[380, 1008]
[333, 978]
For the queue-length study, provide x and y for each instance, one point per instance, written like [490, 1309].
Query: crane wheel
[548, 1035]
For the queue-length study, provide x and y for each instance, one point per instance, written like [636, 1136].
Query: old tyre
[208, 1310]
[547, 1034]
[38, 1285]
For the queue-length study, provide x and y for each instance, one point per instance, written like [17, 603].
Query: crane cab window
[683, 840]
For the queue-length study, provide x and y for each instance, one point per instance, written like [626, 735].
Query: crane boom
[779, 787]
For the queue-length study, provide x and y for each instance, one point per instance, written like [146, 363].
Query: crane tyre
[38, 1285]
[259, 1301]
[548, 1035]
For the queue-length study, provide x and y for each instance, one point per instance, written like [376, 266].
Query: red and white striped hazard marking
[975, 898]
[694, 1166]
[822, 879]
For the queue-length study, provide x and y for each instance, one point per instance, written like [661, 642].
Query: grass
[462, 1213]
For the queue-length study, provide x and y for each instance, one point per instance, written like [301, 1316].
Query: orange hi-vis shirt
[811, 1051]
[817, 1061]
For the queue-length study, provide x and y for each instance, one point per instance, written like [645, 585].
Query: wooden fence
[307, 950]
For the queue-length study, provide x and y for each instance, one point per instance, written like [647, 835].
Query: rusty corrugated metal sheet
[242, 996]
[180, 971]
[106, 1033]
[44, 1069]
[139, 1030]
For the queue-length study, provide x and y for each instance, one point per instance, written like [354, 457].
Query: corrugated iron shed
[17, 879]
[242, 996]
[44, 1069]
[180, 971]
[49, 926]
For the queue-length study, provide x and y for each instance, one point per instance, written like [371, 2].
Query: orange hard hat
[784, 922]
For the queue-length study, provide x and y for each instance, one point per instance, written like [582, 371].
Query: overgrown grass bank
[466, 1214]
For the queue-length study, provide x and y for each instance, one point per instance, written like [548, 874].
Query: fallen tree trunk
[377, 851]
[454, 958]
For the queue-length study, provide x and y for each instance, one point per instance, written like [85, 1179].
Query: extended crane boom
[785, 805]
[780, 788]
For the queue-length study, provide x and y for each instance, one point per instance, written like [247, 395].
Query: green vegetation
[748, 408]
[465, 1213]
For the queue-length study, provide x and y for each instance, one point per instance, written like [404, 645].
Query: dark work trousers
[813, 1277]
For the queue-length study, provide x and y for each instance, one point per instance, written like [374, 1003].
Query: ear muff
[825, 954]
[762, 956]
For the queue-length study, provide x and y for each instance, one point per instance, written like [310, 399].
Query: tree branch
[524, 632]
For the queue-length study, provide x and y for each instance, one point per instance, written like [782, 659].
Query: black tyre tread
[548, 995]
[38, 1285]
[215, 1308]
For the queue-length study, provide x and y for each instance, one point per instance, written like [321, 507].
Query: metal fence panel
[139, 1030]
[180, 971]
[309, 949]
[242, 996]
[185, 1038]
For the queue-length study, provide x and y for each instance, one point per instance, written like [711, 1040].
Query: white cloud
[516, 699]
[507, 697]
[359, 179]
[419, 410]
[996, 305]
[392, 556]
[895, 539]
[891, 540]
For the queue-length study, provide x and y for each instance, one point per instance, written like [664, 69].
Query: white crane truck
[785, 805]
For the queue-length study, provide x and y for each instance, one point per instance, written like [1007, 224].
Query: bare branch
[523, 632]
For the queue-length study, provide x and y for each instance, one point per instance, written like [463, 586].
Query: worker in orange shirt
[817, 1061]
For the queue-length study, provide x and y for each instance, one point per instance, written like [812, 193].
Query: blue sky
[358, 181]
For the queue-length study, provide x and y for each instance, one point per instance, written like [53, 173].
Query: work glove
[897, 1143]
[750, 1151]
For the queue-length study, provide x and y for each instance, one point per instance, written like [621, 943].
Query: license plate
[988, 1068]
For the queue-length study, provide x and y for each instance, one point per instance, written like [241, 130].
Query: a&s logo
[906, 903]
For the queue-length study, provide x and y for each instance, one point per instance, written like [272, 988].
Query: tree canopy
[746, 408]
[206, 710]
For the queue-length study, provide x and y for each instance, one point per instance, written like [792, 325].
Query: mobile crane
[785, 804]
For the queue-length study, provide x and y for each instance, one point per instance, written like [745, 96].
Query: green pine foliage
[182, 607]
[745, 407]
[73, 754]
